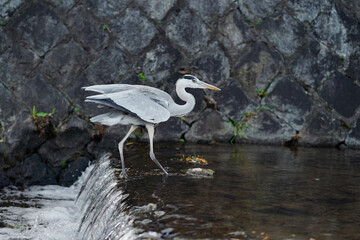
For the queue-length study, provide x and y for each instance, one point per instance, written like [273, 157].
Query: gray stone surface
[353, 71]
[232, 101]
[314, 64]
[289, 101]
[282, 30]
[8, 113]
[37, 172]
[4, 40]
[213, 65]
[17, 63]
[39, 28]
[86, 29]
[7, 8]
[186, 30]
[63, 5]
[255, 10]
[211, 127]
[265, 128]
[106, 9]
[73, 170]
[335, 29]
[159, 63]
[111, 65]
[353, 139]
[234, 32]
[307, 10]
[23, 138]
[209, 10]
[63, 148]
[172, 130]
[342, 94]
[133, 30]
[156, 10]
[322, 129]
[37, 92]
[65, 63]
[257, 67]
[283, 67]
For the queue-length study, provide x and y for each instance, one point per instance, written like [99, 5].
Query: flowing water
[256, 192]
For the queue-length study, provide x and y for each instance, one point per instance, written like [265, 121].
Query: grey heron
[139, 105]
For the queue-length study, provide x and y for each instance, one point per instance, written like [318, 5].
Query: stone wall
[287, 69]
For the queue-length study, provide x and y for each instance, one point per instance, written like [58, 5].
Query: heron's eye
[194, 81]
[189, 77]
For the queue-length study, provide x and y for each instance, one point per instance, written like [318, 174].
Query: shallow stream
[256, 192]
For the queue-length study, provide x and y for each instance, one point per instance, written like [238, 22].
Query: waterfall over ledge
[92, 208]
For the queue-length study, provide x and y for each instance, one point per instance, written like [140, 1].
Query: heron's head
[190, 81]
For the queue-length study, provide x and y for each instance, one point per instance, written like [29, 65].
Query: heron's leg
[121, 147]
[150, 128]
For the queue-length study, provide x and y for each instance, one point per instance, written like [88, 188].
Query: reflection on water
[257, 192]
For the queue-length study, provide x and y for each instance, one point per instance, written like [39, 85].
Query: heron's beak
[206, 85]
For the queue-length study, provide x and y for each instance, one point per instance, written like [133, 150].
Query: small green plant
[241, 125]
[106, 28]
[43, 122]
[2, 23]
[142, 76]
[63, 164]
[159, 22]
[342, 58]
[76, 109]
[239, 128]
[36, 114]
[181, 140]
[258, 22]
[263, 92]
[345, 125]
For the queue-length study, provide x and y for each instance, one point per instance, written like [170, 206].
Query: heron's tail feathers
[113, 118]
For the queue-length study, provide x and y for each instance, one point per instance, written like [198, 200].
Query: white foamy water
[52, 212]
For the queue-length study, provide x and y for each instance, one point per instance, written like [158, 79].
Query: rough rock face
[286, 69]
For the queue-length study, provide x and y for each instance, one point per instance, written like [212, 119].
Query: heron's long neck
[181, 110]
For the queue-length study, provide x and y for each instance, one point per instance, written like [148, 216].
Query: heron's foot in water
[123, 174]
[166, 174]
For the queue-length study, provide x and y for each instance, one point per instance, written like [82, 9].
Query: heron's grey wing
[146, 105]
[109, 88]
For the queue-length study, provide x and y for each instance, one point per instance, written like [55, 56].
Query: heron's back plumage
[148, 103]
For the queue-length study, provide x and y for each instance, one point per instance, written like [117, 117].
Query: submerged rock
[199, 172]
